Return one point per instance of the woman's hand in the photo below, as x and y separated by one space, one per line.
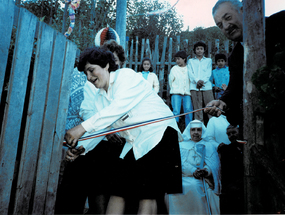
73 134
72 154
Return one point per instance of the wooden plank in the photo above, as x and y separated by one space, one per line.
155 55
126 54
33 129
254 58
131 54
169 67
137 54
142 50
226 44
162 67
59 129
6 24
57 69
14 104
148 50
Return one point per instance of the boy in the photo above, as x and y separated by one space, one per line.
200 71
221 75
179 83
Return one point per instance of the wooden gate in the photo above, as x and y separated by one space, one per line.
34 92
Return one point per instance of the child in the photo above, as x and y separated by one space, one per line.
146 72
179 83
200 70
232 171
221 75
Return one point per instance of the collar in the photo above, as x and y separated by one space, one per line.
201 58
111 82
218 68
145 72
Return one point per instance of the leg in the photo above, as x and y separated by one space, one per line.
207 97
116 205
147 206
176 105
187 107
197 104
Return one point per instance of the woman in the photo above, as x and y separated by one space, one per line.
151 152
196 169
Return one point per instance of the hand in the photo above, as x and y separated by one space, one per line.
72 154
113 138
72 135
224 86
212 107
216 89
200 173
200 84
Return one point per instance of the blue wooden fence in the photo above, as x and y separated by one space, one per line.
34 109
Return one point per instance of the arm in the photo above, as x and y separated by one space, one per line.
127 91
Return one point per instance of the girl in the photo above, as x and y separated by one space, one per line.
149 164
146 72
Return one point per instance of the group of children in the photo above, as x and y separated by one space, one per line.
193 84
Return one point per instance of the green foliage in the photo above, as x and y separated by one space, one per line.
139 24
269 81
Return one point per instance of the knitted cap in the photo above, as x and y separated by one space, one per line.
106 34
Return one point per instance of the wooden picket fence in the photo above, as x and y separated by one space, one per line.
34 107
162 63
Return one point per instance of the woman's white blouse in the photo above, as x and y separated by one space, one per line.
129 100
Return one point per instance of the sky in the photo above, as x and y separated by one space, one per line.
199 13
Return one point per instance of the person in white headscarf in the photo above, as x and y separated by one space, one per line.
193 200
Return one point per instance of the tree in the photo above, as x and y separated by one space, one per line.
165 24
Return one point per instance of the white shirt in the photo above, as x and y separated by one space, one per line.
153 80
179 81
200 70
217 129
129 100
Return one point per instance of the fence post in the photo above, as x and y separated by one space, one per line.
217 46
155 55
177 45
162 67
137 55
169 67
131 54
147 51
126 53
142 51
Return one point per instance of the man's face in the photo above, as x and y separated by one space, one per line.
229 20
221 63
233 134
196 134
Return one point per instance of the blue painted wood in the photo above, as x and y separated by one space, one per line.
6 24
34 119
50 121
39 198
14 104
60 127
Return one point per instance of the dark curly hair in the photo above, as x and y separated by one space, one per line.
181 54
113 46
98 56
220 56
143 60
200 43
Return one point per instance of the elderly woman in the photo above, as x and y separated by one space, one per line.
151 152
193 200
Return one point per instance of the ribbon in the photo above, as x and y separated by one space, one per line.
124 128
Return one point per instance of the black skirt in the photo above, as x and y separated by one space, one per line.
151 176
